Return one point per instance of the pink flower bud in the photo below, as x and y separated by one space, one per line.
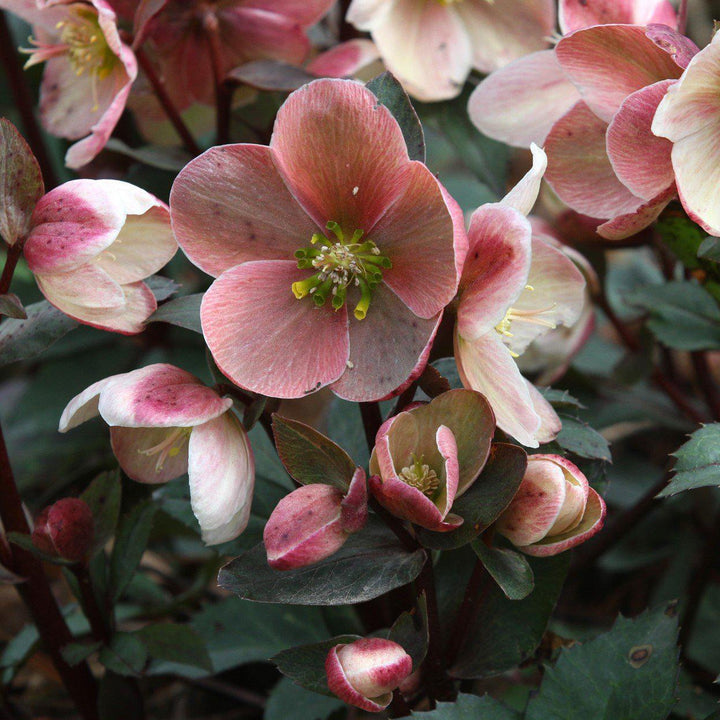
364 673
313 522
554 509
65 529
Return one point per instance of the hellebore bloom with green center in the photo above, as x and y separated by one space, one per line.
334 253
427 456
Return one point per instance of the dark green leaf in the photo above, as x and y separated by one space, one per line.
391 94
176 643
126 654
132 539
309 456
162 287
625 674
469 707
11 306
698 461
579 438
683 237
24 339
164 158
253 412
305 665
371 563
21 183
510 570
288 700
682 315
710 249
103 496
487 497
26 543
560 398
411 631
183 312
17 651
76 652
506 632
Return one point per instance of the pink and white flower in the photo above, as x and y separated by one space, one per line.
163 423
431 47
554 509
92 243
514 288
332 215
88 71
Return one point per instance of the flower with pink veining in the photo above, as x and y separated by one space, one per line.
334 253
91 245
88 70
163 423
432 46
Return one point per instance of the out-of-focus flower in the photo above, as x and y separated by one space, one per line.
357 58
431 47
689 116
365 672
513 289
554 509
163 423
427 456
92 243
313 522
65 529
88 71
301 232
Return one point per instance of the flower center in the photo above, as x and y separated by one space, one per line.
169 447
533 317
421 476
340 264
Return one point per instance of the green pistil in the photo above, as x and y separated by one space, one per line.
339 265
421 476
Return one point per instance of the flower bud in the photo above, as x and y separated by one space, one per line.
364 673
553 510
313 522
65 529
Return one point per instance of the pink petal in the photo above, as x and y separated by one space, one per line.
550 424
341 154
221 470
609 62
426 46
83 406
485 365
417 234
505 30
496 268
576 14
354 506
640 159
160 395
447 447
345 59
85 286
130 445
303 12
524 195
388 348
298 348
579 169
623 226
680 48
221 221
519 103
340 686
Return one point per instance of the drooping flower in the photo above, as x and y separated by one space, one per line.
346 249
313 522
92 243
553 510
427 456
689 117
365 672
88 71
163 423
432 46
514 288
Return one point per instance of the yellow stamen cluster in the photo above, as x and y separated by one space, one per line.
421 476
528 316
169 447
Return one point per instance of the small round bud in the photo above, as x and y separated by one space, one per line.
65 529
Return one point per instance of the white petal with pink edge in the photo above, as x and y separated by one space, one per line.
83 406
577 14
524 195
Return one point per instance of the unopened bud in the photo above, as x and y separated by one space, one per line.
65 529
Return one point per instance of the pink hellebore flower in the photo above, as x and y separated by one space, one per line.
88 70
554 509
163 423
92 243
332 216
365 672
514 288
689 116
242 30
313 522
427 456
431 46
